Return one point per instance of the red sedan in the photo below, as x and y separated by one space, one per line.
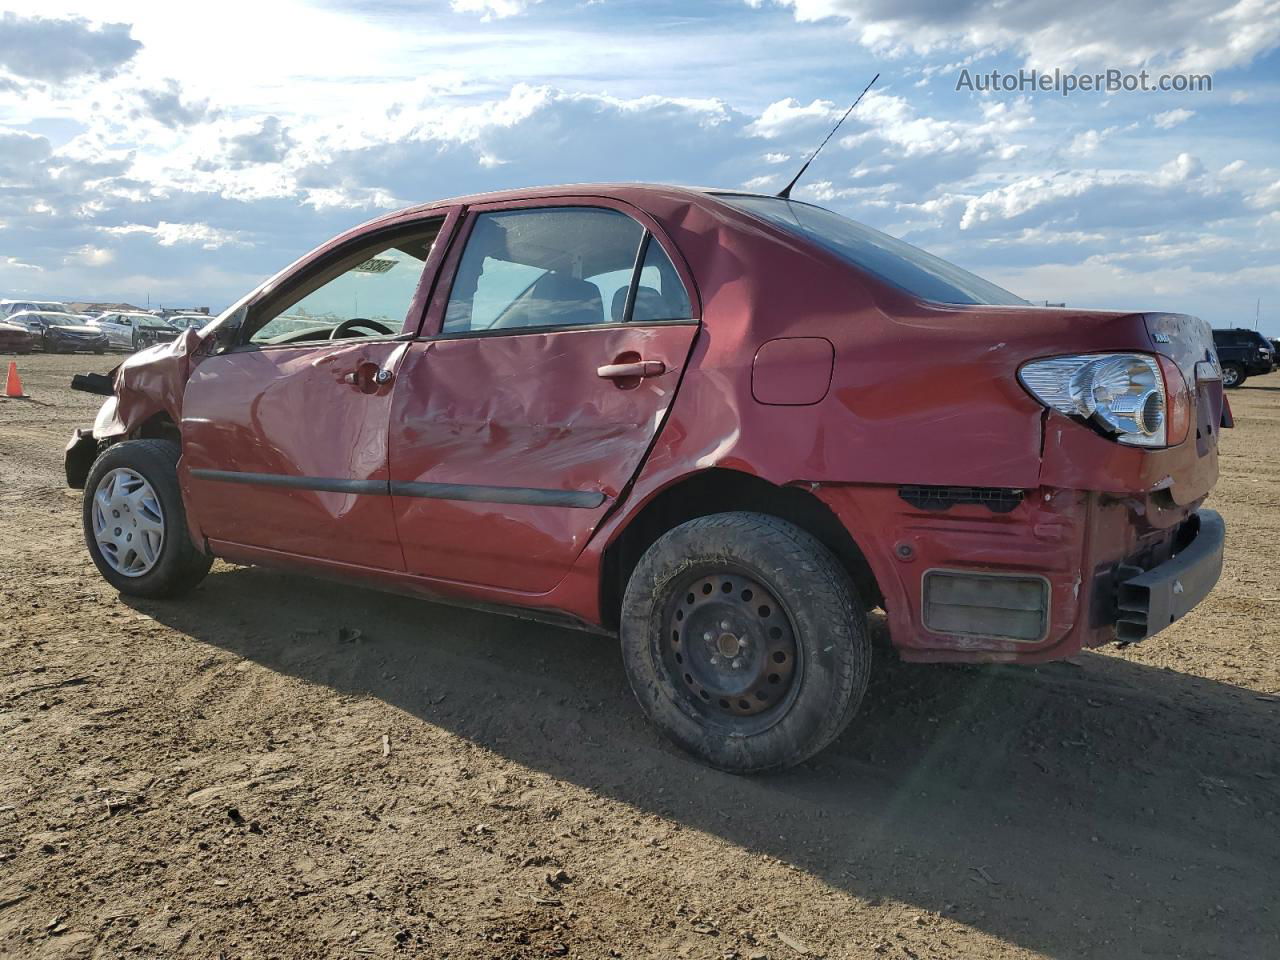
14 338
721 426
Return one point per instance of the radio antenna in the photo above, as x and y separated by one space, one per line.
785 192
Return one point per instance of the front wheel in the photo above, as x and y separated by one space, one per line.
1233 375
135 524
744 641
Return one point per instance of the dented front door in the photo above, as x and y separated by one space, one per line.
286 450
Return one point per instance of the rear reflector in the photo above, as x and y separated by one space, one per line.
996 605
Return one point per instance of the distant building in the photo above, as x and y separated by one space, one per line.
82 306
181 311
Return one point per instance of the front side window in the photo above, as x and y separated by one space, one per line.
563 266
894 261
366 293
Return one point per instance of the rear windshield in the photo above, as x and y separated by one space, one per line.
909 268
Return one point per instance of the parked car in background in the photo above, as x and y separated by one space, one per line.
158 331
721 426
190 321
14 338
9 307
33 322
1243 353
62 332
133 331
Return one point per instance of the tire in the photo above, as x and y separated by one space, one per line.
804 651
1233 375
175 566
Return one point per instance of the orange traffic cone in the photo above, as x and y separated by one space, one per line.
13 384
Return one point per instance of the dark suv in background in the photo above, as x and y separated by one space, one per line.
1243 354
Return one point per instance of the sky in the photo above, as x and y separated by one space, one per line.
177 154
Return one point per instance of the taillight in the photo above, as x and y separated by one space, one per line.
1122 394
1177 396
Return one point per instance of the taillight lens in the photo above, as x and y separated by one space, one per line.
1123 394
1177 402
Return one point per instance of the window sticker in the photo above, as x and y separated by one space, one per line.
375 265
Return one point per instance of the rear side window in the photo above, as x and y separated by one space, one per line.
660 294
898 263
561 266
534 268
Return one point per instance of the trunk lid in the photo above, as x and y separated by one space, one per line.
1188 342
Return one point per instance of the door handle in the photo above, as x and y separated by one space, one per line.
638 368
368 377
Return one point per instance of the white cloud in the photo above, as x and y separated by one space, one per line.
785 116
1105 197
1085 143
169 234
492 9
1171 118
1268 196
54 51
166 106
92 256
1199 35
270 142
894 120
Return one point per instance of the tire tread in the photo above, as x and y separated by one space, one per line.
832 599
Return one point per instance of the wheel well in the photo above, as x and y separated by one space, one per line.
159 426
723 491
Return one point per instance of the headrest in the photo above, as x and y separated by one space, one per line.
649 305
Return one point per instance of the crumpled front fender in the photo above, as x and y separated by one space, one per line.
151 381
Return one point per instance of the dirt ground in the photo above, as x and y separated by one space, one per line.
227 776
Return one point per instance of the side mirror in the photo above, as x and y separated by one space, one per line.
227 333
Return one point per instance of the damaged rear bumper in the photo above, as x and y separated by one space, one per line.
1033 578
1149 601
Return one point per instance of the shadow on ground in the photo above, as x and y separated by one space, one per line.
1096 808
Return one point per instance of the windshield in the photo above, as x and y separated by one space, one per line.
909 268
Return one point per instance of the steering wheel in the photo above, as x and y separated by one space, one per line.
368 324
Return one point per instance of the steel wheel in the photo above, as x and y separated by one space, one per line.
128 522
730 649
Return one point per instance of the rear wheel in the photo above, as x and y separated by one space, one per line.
1233 374
744 641
135 524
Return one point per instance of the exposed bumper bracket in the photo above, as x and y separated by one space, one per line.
1152 600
